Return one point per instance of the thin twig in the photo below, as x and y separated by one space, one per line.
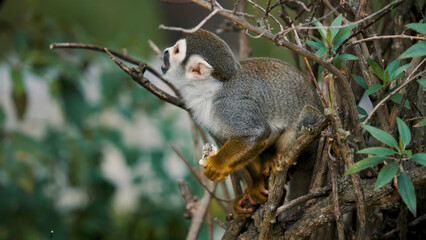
332 162
320 167
388 37
410 224
220 223
319 193
196 175
194 29
210 223
409 79
385 9
143 82
200 213
271 16
154 47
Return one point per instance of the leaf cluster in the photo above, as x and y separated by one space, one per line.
393 156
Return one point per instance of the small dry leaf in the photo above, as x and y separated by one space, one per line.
208 150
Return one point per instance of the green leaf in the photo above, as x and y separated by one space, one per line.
386 174
419 158
348 57
329 37
321 29
382 136
397 98
337 22
377 150
417 50
408 153
392 67
399 72
422 82
406 190
404 131
321 52
342 35
337 62
386 77
422 123
376 68
373 88
361 111
419 27
366 163
359 80
318 40
314 45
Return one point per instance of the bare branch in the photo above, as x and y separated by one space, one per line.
136 75
144 82
194 29
388 37
278 180
385 9
411 224
271 16
321 212
155 48
332 165
319 193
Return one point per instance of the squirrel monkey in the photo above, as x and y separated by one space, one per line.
251 105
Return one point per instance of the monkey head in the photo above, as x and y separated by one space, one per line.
199 55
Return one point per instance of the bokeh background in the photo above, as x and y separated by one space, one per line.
83 149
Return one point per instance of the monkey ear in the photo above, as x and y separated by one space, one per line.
198 68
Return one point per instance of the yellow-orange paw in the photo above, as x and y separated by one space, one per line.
216 173
245 205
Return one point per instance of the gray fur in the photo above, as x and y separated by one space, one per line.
265 95
258 98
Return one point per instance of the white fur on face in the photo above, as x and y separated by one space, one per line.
197 86
177 55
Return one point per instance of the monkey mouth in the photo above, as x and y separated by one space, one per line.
164 68
166 62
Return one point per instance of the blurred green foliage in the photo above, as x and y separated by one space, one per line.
37 170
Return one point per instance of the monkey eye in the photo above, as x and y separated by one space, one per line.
176 50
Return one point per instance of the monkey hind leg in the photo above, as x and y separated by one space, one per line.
255 192
307 117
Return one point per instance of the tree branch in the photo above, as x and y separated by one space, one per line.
136 74
402 36
277 181
322 213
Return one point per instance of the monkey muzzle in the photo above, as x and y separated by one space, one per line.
166 62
